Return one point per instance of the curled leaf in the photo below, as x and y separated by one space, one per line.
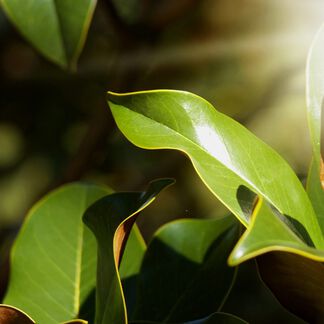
13 315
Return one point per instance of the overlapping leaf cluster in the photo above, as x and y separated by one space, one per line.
103 272
181 277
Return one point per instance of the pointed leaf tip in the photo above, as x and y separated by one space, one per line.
13 315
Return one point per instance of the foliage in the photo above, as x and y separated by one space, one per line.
56 28
80 256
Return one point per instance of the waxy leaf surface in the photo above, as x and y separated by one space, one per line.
227 157
297 282
53 261
219 318
13 315
57 28
111 219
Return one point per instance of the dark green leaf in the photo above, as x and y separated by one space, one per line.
315 97
57 28
53 261
111 219
129 267
297 282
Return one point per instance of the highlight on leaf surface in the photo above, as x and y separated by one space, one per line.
227 157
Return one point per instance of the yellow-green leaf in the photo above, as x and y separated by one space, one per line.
111 219
53 260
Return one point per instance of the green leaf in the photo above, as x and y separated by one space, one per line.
315 96
216 318
185 264
57 28
267 222
315 191
129 267
53 261
227 157
111 219
133 255
13 315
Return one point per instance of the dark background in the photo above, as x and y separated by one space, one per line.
247 57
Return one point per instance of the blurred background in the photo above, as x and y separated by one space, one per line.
247 57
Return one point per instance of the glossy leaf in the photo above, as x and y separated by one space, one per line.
13 315
53 261
128 10
185 264
111 219
133 256
315 97
227 157
57 28
316 192
297 282
219 318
